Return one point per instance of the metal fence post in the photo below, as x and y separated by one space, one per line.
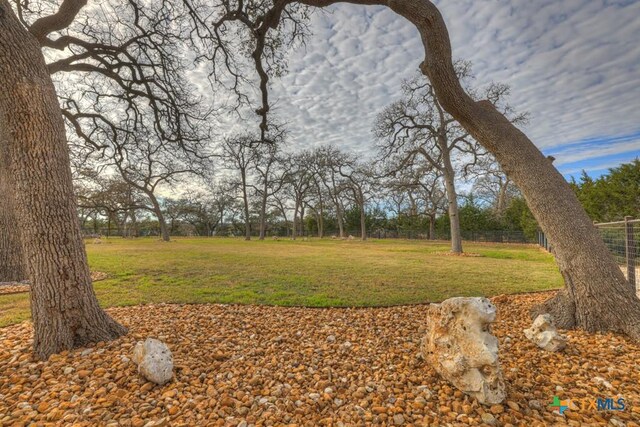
630 250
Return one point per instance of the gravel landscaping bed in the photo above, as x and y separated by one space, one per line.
243 365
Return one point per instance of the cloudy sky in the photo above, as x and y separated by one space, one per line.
573 64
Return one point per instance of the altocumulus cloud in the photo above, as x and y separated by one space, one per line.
573 64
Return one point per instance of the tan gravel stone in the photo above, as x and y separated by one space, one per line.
274 358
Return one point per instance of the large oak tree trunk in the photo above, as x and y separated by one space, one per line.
64 307
12 265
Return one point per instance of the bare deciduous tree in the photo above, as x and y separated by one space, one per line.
239 154
112 197
269 176
417 126
492 185
359 179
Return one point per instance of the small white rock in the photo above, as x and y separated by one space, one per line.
544 334
154 360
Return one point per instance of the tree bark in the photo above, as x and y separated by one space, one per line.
339 218
501 203
363 222
12 263
162 222
263 210
452 198
321 217
302 219
294 228
64 307
245 200
134 224
432 227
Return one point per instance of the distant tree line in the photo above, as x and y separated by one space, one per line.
254 186
320 192
110 206
612 196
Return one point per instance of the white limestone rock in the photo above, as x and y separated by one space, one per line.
461 348
544 334
154 360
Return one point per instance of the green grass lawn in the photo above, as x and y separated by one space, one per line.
315 273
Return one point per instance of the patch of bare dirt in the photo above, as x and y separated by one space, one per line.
21 287
463 254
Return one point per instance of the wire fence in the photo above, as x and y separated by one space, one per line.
623 240
493 236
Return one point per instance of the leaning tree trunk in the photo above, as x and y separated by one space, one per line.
12 263
64 307
452 198
596 296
